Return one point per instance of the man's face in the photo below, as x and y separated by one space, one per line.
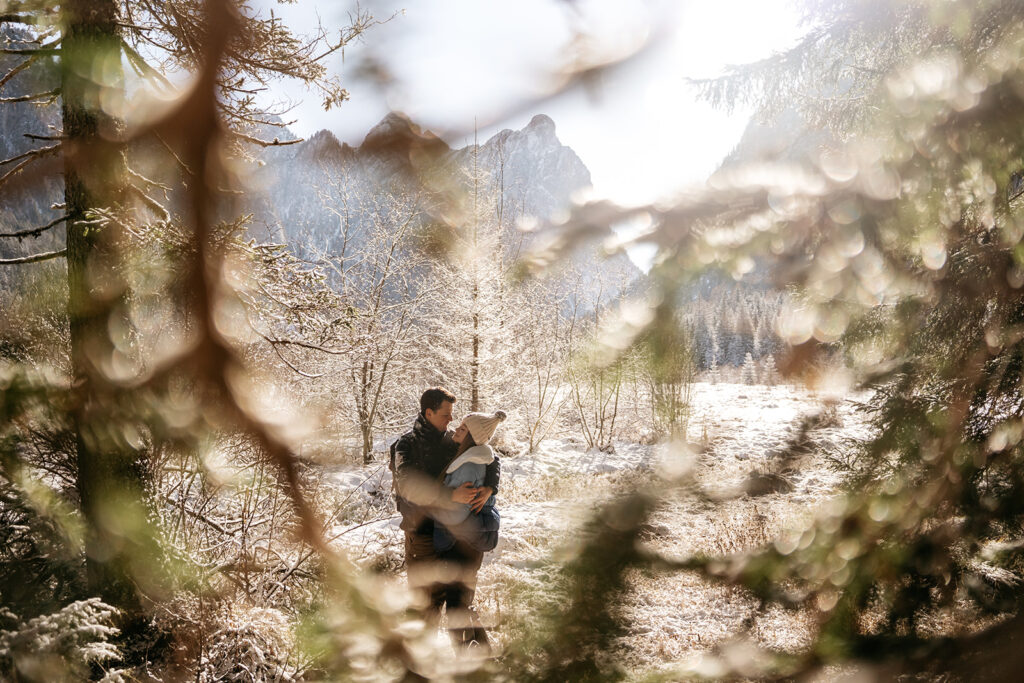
441 417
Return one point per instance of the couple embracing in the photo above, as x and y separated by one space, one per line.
445 485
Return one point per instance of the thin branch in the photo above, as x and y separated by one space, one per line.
143 68
31 153
32 58
274 343
150 183
181 164
33 156
51 94
33 136
362 23
135 27
155 206
197 515
16 70
29 51
264 143
292 365
36 232
247 91
34 258
304 345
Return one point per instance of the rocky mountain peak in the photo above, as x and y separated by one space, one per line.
538 133
541 124
324 146
396 128
391 126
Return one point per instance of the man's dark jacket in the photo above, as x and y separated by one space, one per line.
421 456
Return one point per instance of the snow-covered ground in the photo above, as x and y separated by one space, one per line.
734 430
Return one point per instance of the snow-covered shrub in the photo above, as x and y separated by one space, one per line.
252 644
829 415
224 641
62 646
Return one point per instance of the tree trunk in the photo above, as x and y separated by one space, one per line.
94 171
365 415
474 403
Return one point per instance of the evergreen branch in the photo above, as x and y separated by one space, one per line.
51 94
216 357
36 232
34 258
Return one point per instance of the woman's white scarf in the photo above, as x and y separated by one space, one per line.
482 455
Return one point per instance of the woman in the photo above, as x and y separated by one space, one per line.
458 545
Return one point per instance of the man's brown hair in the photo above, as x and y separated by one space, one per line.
433 398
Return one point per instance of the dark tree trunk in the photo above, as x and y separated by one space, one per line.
94 170
365 414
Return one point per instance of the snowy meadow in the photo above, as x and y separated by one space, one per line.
737 434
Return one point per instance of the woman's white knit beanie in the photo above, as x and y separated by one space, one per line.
482 425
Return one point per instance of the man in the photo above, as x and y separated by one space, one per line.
421 457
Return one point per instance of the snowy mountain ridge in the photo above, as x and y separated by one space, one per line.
538 174
324 197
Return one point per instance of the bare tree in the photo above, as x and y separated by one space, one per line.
541 345
384 281
669 368
595 377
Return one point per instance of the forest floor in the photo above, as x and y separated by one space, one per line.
735 430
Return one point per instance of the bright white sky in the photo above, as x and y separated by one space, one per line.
641 132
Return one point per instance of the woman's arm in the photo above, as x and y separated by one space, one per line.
489 487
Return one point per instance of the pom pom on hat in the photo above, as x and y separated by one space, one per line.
482 425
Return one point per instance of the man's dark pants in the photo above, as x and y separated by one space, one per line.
447 578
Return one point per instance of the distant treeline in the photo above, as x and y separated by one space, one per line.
730 321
